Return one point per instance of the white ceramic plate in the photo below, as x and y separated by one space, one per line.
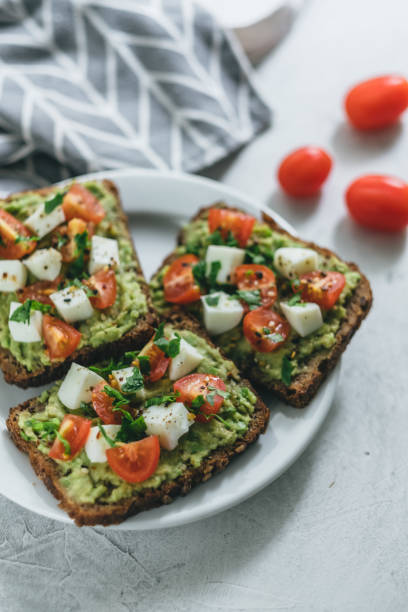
157 205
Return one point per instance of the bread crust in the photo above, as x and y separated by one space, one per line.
108 514
305 385
15 373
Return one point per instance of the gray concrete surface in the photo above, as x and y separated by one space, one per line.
331 534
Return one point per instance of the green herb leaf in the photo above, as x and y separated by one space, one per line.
105 435
131 429
216 238
52 202
22 313
214 391
26 239
118 399
170 348
294 300
275 337
61 241
193 247
252 298
65 443
162 399
89 292
214 269
212 300
221 420
46 430
82 244
199 273
287 369
134 382
197 403
86 410
144 364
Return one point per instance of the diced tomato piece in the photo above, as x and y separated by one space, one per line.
14 237
39 291
75 430
251 277
265 330
179 284
135 461
104 283
80 202
239 224
193 385
157 360
60 338
323 288
103 405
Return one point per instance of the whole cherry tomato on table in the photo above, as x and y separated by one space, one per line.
379 202
377 103
303 172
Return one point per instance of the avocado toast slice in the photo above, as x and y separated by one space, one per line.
281 308
199 429
79 244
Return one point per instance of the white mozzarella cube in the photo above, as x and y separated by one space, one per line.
13 275
72 304
183 363
77 386
292 261
222 314
168 422
229 258
96 445
41 223
305 318
45 264
26 332
104 252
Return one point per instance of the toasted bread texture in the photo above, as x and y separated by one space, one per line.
303 386
15 373
107 514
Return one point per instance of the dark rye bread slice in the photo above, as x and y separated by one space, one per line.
17 374
305 385
108 514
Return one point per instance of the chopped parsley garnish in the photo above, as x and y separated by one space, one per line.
214 269
252 298
254 255
275 337
287 369
144 364
105 435
197 403
296 300
162 399
26 239
62 240
134 382
131 429
64 442
119 400
214 391
77 268
52 202
124 362
216 238
22 313
199 273
89 292
170 348
212 300
193 247
221 420
85 408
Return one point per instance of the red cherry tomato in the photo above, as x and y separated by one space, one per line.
193 385
377 103
239 224
179 284
60 338
39 291
157 360
102 403
104 283
303 172
136 461
250 277
323 288
379 202
265 330
80 202
12 230
75 430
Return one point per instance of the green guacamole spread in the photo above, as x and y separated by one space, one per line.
265 367
104 326
87 482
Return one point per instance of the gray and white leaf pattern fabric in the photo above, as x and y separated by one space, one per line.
87 85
